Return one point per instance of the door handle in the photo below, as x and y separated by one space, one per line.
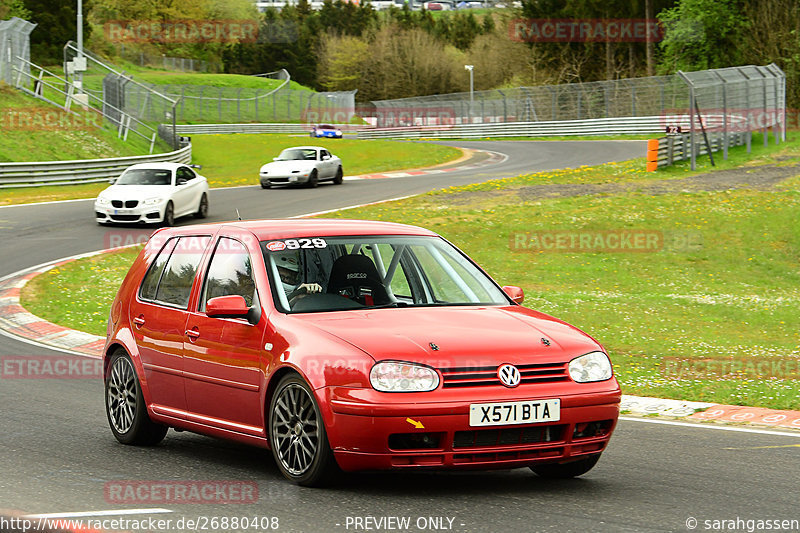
139 320
192 333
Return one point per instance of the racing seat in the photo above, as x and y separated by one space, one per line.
355 277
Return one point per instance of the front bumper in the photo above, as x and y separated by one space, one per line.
369 436
143 214
284 179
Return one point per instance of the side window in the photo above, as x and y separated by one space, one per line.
324 153
186 173
230 273
176 282
150 281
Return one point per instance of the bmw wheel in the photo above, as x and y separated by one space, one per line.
202 207
125 406
339 178
297 434
169 215
566 470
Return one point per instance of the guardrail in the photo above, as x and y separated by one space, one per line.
80 171
679 147
205 129
597 126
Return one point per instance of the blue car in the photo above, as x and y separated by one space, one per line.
326 130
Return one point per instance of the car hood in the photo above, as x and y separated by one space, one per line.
135 192
464 336
288 166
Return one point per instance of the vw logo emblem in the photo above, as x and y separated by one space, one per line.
509 375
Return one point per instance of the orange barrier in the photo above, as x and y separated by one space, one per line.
652 155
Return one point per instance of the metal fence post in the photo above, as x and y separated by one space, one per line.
724 115
691 117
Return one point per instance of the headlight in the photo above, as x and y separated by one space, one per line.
593 366
153 201
396 376
103 201
338 132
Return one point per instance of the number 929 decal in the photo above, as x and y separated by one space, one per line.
296 244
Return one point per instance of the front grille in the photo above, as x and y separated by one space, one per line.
131 203
125 218
116 203
508 436
486 376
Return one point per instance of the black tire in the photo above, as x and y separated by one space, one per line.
125 407
297 435
169 215
338 179
265 185
202 207
313 179
566 470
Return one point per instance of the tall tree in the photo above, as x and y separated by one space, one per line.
57 24
703 34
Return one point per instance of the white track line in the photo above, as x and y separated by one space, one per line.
787 433
352 207
85 514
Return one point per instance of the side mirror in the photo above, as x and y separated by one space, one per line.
112 181
232 306
325 157
181 181
515 293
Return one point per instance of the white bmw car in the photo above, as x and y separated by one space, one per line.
153 193
306 165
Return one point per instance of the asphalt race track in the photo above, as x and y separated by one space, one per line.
57 454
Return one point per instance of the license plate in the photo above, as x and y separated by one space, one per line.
503 414
122 211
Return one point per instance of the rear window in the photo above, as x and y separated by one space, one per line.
169 280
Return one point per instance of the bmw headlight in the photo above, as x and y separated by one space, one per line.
153 201
593 366
396 376
102 200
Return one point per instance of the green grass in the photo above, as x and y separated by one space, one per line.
230 160
235 159
78 295
52 140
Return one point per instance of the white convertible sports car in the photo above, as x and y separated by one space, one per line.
153 193
306 165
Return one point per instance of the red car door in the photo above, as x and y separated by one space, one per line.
158 317
223 363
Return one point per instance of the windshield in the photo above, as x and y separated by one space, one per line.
326 127
338 273
297 154
145 176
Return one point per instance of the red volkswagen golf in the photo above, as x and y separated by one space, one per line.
349 345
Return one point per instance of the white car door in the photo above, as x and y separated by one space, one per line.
328 165
186 195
